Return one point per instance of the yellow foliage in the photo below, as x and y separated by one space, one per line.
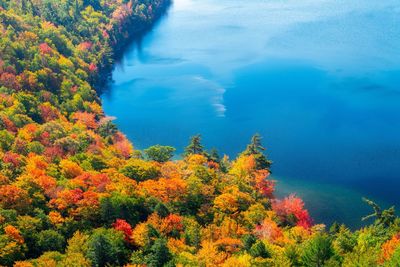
139 234
56 218
244 260
70 169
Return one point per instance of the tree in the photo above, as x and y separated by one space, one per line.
258 249
125 228
256 149
195 146
159 253
106 247
317 251
214 156
140 170
159 153
385 217
50 240
123 207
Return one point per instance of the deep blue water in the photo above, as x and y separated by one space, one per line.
320 80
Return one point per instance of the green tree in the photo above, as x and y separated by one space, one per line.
258 249
317 251
159 153
50 240
195 146
118 206
385 217
106 247
159 253
256 149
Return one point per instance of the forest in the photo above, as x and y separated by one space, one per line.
75 192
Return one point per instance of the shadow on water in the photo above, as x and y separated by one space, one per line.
133 42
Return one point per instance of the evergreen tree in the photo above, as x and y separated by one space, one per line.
159 253
256 149
385 217
317 251
195 146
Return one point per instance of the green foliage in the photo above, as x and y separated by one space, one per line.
50 240
159 254
106 247
139 170
317 251
256 149
130 209
385 217
258 249
159 153
195 146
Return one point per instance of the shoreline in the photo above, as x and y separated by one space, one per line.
136 30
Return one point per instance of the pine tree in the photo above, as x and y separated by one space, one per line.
194 147
256 149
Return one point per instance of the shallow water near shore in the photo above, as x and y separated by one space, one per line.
320 80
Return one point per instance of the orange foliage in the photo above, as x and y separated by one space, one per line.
36 165
92 181
170 223
13 197
85 118
228 244
389 247
269 230
14 234
56 218
166 190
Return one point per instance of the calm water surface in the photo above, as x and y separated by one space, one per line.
320 80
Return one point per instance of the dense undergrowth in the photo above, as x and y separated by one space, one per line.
74 192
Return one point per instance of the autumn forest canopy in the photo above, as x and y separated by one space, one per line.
74 191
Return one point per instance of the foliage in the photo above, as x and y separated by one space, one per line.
159 153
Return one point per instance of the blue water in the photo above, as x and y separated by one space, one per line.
320 80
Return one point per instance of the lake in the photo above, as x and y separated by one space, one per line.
319 80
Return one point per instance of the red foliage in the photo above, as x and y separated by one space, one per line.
10 126
122 145
13 158
48 112
44 48
9 80
53 152
263 185
213 165
124 227
66 198
92 67
172 222
292 205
